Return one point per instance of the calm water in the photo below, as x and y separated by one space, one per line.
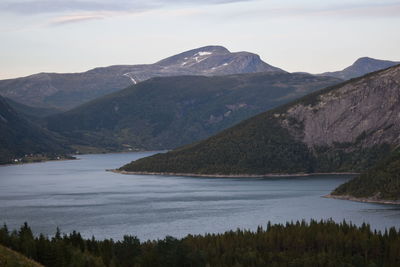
80 195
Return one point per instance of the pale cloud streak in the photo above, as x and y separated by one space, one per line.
74 18
87 16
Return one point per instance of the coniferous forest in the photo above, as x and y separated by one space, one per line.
317 243
380 182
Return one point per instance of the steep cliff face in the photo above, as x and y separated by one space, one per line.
366 110
347 127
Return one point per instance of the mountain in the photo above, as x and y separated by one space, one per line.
20 137
343 128
361 67
32 113
380 183
167 112
66 91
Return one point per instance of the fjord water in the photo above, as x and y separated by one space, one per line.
80 195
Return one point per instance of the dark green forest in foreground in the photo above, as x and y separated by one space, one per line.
323 243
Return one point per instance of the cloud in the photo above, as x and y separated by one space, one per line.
87 16
32 7
77 18
73 11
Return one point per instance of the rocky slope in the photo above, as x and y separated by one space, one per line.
347 127
65 91
20 137
361 67
163 113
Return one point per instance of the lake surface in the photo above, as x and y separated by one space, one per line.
80 195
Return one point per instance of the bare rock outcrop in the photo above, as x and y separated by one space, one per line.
365 111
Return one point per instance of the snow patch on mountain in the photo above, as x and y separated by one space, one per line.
130 77
204 53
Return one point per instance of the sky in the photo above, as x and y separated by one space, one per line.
302 35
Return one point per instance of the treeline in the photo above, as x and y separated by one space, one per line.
323 243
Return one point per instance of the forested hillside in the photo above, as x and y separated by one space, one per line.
164 113
343 128
382 182
20 137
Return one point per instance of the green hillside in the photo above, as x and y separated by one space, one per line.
326 131
164 113
382 182
20 137
257 146
31 112
10 258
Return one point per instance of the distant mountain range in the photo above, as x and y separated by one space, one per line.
343 128
167 112
66 91
19 137
361 67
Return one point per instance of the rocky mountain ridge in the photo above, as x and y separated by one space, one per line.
65 91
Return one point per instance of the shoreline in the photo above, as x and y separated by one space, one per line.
363 199
41 161
244 175
75 157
